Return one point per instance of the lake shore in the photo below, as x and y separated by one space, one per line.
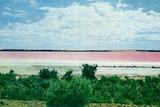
104 68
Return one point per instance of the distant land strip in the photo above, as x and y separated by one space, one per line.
131 66
48 50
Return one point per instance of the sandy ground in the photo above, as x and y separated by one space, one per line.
104 68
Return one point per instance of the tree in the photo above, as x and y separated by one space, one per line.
75 93
67 76
33 88
53 74
47 74
11 72
88 71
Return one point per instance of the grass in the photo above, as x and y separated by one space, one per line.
18 103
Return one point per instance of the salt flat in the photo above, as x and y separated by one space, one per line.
104 68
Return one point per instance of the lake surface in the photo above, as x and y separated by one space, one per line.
80 56
114 63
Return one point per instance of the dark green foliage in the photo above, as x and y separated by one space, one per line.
14 92
24 89
11 72
7 78
108 88
67 76
47 74
7 85
88 71
34 87
75 93
127 91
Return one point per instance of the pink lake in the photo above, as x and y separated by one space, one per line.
81 56
34 61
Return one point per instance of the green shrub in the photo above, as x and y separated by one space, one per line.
35 87
14 92
88 71
47 74
67 76
75 93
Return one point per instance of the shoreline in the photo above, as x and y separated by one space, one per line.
104 68
79 63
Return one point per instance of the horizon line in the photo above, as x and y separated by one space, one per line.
50 50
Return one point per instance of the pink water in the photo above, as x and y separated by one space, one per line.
81 56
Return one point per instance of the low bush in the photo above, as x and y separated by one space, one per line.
72 91
88 71
75 93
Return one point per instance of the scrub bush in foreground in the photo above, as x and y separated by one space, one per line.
75 93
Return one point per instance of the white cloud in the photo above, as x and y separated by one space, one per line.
96 26
7 13
17 13
33 3
7 8
19 0
20 13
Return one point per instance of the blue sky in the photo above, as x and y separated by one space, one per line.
80 24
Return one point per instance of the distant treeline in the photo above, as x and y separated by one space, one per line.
49 50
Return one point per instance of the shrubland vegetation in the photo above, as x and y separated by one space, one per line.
74 91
